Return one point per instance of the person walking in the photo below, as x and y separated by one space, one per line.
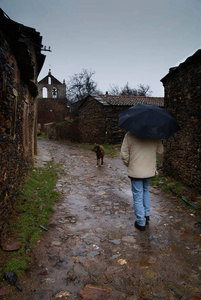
139 155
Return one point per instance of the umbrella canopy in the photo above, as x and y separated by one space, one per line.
148 121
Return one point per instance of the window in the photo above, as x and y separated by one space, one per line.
44 92
54 92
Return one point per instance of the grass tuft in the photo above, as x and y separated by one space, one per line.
33 208
173 187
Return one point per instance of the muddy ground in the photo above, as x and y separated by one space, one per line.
92 249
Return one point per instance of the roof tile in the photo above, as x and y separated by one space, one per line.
128 100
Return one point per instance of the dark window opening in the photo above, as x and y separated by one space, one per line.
54 92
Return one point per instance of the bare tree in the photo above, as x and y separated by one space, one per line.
114 90
126 90
80 86
144 90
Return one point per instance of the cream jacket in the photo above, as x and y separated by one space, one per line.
139 155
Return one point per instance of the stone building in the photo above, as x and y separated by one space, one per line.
20 63
98 116
182 85
52 102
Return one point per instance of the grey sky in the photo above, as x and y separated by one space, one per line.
134 41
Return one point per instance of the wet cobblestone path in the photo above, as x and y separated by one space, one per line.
92 250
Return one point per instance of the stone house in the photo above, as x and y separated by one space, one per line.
182 158
98 116
20 63
52 101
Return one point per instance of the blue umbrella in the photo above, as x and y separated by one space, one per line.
148 121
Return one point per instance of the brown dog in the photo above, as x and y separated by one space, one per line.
100 152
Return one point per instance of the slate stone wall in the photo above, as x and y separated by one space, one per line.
68 130
51 110
182 158
16 130
98 123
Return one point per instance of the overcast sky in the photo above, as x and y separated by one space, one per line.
134 41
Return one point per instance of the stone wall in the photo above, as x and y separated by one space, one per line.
182 158
98 123
17 113
51 110
68 130
50 130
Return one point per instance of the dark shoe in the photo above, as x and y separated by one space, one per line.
141 228
147 219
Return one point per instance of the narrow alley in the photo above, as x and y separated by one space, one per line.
92 249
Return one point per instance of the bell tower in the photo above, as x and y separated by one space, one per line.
52 102
52 88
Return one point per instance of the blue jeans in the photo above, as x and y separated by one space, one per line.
141 199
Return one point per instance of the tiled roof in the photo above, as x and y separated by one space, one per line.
128 100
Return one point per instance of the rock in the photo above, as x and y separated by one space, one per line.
44 272
149 276
56 243
63 294
160 291
94 253
122 261
129 239
11 277
4 290
11 245
61 222
91 292
115 242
